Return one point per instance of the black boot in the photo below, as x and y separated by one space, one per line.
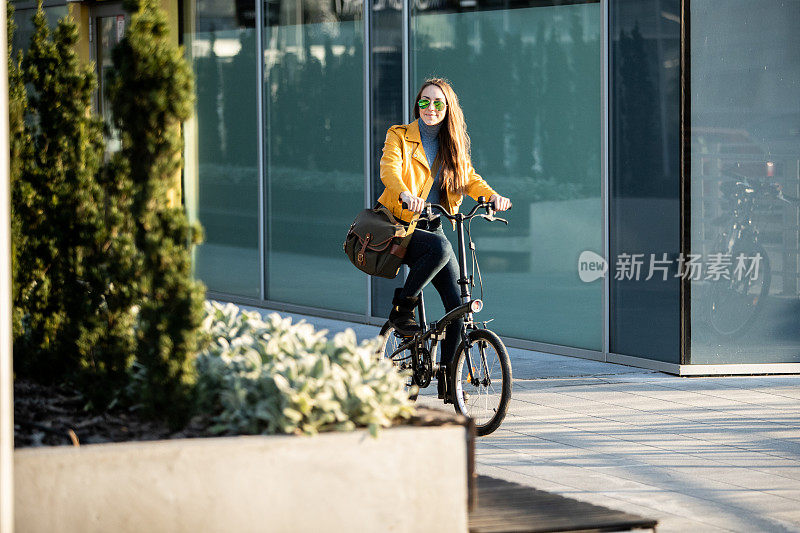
441 382
445 384
402 315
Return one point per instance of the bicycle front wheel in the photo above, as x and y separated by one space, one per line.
737 302
482 380
390 342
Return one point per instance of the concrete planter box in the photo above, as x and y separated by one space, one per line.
408 479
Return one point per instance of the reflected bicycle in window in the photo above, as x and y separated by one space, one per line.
736 301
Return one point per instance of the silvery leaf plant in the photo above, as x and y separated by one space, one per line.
266 375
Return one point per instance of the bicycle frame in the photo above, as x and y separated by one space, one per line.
436 331
468 306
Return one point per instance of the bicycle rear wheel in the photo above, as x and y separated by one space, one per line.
401 360
484 393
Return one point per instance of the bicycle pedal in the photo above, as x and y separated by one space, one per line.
446 396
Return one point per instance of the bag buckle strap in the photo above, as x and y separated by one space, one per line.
361 257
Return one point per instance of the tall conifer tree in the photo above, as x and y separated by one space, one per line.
71 322
19 147
150 89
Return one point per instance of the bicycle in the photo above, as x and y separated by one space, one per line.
481 375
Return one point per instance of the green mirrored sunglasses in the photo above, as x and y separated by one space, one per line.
438 105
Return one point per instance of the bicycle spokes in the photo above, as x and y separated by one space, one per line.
483 380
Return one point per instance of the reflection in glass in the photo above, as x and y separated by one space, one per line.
644 179
110 31
528 79
223 52
314 143
745 155
24 21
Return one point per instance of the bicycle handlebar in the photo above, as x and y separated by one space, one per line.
482 203
755 188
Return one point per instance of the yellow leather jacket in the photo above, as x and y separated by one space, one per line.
404 167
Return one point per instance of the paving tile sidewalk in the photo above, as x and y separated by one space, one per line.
698 454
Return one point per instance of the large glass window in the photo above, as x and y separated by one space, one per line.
644 179
23 17
222 165
110 23
745 180
528 79
314 146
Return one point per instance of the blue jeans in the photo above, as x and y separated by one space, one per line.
430 258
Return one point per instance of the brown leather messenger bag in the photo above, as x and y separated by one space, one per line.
376 242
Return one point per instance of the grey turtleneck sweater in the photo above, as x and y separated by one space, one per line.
430 143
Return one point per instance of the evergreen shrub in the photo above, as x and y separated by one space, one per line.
150 90
101 262
267 375
73 316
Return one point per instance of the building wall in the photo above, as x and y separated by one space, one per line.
536 137
288 152
745 180
631 136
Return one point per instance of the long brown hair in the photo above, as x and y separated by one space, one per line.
454 143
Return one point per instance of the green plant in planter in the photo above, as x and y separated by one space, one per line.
271 376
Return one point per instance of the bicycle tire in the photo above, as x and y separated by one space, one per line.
482 402
735 305
402 361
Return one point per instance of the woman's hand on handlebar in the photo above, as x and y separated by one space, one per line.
501 203
414 203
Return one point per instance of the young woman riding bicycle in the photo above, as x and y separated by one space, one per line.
436 140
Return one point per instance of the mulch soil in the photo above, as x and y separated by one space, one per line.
49 415
55 415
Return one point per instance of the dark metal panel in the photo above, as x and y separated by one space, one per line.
686 186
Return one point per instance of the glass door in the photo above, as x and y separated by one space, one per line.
108 27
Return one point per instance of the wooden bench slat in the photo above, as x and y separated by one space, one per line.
503 506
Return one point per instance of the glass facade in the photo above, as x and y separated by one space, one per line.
386 109
314 150
528 79
745 176
223 193
691 148
644 178
110 31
